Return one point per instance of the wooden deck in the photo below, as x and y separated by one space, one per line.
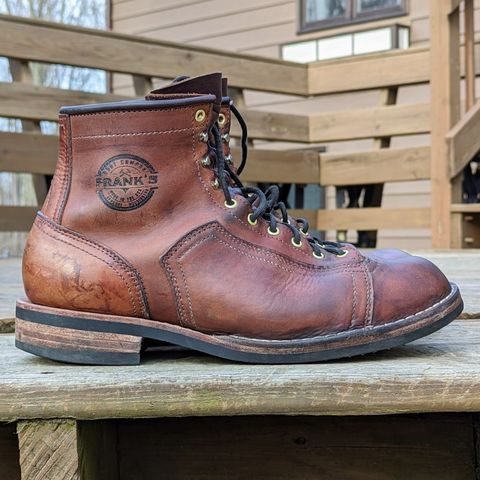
427 393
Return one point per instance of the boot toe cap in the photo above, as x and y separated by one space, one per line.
404 285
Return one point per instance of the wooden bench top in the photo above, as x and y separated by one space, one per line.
440 373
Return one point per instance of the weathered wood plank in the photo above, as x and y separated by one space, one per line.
28 152
463 141
18 100
385 165
16 219
404 67
294 166
439 373
48 450
142 56
370 122
42 103
373 218
465 207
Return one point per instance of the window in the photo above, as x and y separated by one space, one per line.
319 14
348 44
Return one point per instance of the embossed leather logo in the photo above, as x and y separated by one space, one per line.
126 182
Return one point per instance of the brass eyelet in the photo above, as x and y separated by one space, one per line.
226 137
230 205
295 244
250 221
273 232
206 161
320 257
305 234
221 119
215 184
200 115
344 254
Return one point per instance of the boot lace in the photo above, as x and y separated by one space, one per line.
264 204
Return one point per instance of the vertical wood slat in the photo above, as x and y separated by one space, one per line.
21 72
142 85
445 112
469 53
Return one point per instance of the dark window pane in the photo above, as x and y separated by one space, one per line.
318 10
364 6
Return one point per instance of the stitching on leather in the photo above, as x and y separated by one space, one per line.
259 250
120 262
153 109
354 301
134 134
176 291
369 306
60 239
67 165
189 300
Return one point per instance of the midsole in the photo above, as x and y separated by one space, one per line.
177 334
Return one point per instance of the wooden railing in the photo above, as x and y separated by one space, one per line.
23 40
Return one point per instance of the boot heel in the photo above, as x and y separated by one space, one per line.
77 346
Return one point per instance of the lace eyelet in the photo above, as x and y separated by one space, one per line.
250 221
203 137
305 234
228 159
230 205
206 162
226 137
273 232
215 184
221 119
295 244
200 115
319 257
344 254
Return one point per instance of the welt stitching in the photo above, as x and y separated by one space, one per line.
134 134
116 259
60 239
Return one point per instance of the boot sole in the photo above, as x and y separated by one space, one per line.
97 339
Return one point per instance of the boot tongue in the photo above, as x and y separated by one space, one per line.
210 84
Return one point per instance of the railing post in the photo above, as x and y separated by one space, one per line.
445 112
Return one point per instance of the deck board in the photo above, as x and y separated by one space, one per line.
439 373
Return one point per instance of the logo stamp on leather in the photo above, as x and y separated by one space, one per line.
126 182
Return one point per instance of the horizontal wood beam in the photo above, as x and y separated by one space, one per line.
292 166
122 53
385 165
465 208
373 218
463 140
16 219
18 100
385 69
28 152
370 122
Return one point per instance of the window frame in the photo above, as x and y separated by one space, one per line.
351 16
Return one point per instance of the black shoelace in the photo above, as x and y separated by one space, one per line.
264 204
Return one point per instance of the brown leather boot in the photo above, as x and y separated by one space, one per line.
147 233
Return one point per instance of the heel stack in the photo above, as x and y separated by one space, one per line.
77 346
